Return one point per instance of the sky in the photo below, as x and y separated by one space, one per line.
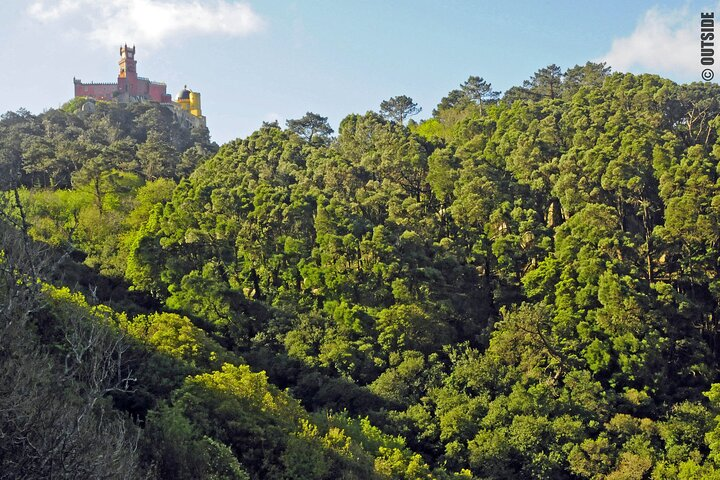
256 61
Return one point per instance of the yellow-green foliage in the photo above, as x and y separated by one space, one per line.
317 447
252 388
431 128
54 214
359 439
102 220
74 105
176 336
68 305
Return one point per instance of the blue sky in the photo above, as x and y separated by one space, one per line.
257 61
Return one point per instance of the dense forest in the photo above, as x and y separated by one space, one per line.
524 285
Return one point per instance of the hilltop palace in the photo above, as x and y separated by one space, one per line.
131 88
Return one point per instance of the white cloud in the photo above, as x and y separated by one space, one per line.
148 22
54 11
665 41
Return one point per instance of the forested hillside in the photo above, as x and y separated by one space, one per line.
525 285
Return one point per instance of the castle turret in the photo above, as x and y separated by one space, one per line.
189 101
195 104
128 65
128 78
129 87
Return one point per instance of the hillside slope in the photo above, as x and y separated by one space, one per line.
515 288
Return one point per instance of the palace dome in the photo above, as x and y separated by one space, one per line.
184 94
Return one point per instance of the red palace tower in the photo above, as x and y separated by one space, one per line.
129 86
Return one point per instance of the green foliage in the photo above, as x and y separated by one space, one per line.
312 127
516 288
399 108
176 336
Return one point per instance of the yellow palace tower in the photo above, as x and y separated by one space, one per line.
190 102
